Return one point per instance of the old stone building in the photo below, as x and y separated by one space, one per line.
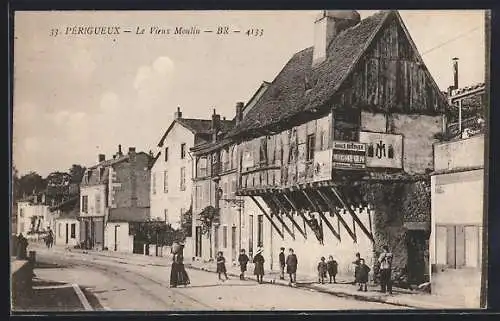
336 153
108 190
172 167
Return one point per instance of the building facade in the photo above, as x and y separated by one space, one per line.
172 168
33 215
110 186
214 189
345 127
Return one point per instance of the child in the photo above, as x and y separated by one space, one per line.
331 266
363 275
221 265
243 260
322 270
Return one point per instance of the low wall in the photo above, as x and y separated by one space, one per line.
21 282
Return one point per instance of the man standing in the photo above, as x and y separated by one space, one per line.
243 261
282 263
291 266
385 261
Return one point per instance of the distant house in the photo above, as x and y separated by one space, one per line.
120 228
32 215
67 227
110 186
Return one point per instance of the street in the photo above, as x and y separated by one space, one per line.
117 285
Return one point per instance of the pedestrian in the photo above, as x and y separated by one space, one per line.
243 261
258 260
322 270
363 272
221 265
356 268
332 267
22 247
178 274
282 261
51 238
385 261
291 266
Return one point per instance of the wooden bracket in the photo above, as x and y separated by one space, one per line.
353 214
322 215
268 217
297 226
340 218
278 216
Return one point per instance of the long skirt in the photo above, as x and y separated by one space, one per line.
178 275
259 269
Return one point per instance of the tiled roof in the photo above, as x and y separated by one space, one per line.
288 95
128 214
202 126
466 89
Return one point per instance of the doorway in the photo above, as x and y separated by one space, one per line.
67 233
198 241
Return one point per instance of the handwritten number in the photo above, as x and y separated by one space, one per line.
54 32
255 32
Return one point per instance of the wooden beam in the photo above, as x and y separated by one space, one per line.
297 226
323 217
330 205
353 214
279 217
298 211
268 217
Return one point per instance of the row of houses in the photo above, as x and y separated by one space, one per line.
346 150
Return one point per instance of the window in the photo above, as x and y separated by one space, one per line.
153 183
165 214
183 150
183 179
73 230
98 203
59 229
225 158
166 154
224 237
263 151
85 204
201 167
311 142
101 173
322 140
165 181
347 125
21 212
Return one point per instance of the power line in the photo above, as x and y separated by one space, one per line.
450 40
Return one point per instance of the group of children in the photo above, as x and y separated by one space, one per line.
326 269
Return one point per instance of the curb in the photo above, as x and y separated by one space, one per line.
335 293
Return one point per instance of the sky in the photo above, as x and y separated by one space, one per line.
77 96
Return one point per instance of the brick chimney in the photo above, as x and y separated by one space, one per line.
455 73
215 127
327 26
239 112
101 158
178 113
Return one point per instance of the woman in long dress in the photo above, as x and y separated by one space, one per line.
258 259
178 274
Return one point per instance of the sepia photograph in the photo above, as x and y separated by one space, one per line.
320 160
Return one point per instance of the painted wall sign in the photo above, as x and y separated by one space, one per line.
383 150
349 155
322 165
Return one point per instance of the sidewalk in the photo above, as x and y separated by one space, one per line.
400 297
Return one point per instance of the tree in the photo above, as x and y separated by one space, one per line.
31 183
76 171
16 186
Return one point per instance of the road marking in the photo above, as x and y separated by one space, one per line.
48 287
82 297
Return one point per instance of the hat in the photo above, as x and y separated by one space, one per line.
282 248
259 251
